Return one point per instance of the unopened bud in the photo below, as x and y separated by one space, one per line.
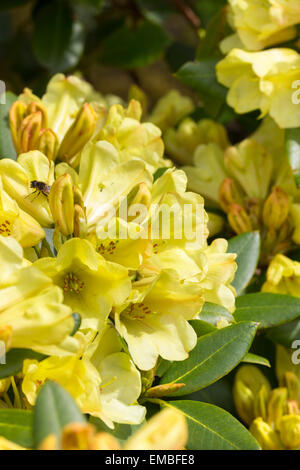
17 113
289 428
76 436
61 202
265 435
229 194
292 385
137 94
36 106
30 132
247 384
260 403
239 219
4 384
49 443
163 390
80 223
276 208
78 134
167 430
48 143
104 441
277 406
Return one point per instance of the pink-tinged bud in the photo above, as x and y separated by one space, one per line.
163 390
36 106
61 202
30 132
48 144
17 113
229 194
276 208
239 219
80 222
78 134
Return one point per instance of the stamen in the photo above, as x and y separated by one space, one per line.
73 284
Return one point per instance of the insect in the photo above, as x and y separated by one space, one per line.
40 188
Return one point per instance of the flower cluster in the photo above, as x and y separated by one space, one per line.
126 249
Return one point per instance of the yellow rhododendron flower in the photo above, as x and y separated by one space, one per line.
182 142
170 109
260 24
91 285
32 314
103 380
262 80
133 138
283 276
17 178
17 223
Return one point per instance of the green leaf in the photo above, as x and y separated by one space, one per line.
213 313
14 361
54 409
135 47
285 334
201 77
214 355
77 322
16 426
202 327
214 33
7 149
247 248
267 309
255 359
292 139
58 40
211 428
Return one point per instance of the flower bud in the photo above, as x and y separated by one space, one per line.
36 106
292 385
137 94
289 428
265 435
17 113
260 403
276 208
166 430
247 384
277 406
48 143
30 132
104 441
80 222
4 384
78 134
229 194
61 202
239 219
163 390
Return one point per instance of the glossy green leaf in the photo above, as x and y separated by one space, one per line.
247 248
285 334
214 355
255 359
202 327
292 137
54 409
212 428
267 309
14 361
16 426
201 77
7 149
135 47
58 40
213 313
